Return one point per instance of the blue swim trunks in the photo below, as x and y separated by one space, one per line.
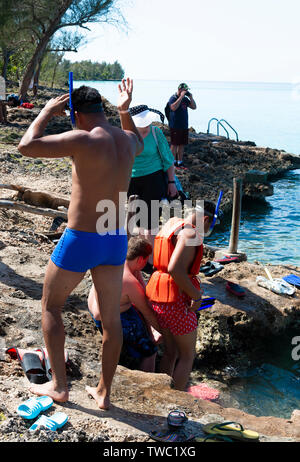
137 342
80 251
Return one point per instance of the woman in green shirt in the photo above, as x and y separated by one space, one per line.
153 172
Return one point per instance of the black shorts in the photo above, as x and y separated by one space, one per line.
149 188
179 137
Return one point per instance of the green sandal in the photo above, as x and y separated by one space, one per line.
229 429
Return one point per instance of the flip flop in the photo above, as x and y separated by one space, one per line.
206 267
235 289
227 259
214 439
53 423
168 436
32 364
215 268
293 280
31 408
176 418
230 430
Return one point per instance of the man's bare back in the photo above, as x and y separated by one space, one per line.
102 155
101 169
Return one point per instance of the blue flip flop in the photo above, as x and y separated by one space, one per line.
31 408
293 280
53 423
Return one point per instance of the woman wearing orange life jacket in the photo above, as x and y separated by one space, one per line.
175 292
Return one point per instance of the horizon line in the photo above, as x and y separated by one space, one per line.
190 80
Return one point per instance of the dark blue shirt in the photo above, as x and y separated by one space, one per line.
179 118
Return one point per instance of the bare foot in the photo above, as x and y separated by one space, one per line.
103 402
48 389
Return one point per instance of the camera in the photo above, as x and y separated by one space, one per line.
187 93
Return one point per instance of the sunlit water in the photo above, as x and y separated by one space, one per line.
271 388
270 231
266 113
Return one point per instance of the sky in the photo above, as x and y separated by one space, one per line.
232 40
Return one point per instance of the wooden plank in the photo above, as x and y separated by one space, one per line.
6 204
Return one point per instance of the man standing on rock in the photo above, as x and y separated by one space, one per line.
178 121
102 156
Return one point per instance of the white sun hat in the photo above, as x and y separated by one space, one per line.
143 116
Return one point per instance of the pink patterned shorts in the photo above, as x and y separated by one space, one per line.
176 317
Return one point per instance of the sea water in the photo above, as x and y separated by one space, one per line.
266 113
271 387
270 230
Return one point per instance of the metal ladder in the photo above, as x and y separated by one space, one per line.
221 123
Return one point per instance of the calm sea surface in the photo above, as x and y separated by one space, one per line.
269 115
266 113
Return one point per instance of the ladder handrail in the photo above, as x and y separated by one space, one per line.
236 134
219 122
214 118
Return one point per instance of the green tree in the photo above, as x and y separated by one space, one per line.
45 18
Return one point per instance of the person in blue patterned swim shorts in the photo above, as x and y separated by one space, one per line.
139 325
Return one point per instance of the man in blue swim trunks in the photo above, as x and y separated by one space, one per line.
139 323
102 157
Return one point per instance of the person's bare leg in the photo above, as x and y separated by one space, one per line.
180 151
148 364
173 148
58 285
186 345
108 289
3 113
170 354
93 304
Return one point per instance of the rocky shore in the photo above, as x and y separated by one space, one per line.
230 333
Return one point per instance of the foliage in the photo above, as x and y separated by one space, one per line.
54 63
35 30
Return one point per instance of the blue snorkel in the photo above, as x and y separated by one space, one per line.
216 211
72 115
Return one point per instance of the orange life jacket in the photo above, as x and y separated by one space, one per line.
161 287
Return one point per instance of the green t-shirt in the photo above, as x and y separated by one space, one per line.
150 161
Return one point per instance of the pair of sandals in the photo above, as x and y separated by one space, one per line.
32 408
211 268
35 363
175 434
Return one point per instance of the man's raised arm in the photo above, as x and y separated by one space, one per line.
127 124
34 144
